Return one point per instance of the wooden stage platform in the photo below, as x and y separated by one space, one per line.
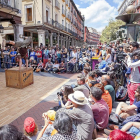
15 102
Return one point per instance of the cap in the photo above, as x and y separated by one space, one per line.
29 125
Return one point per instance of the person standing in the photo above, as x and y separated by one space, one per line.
39 55
6 54
64 54
13 54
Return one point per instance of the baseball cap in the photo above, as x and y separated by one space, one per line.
29 125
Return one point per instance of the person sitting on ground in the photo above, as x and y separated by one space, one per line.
108 58
30 62
10 132
34 65
132 127
82 86
40 65
81 65
67 89
62 67
123 110
105 96
71 64
82 115
100 108
92 79
102 63
118 135
63 125
106 82
30 128
85 72
55 67
87 65
48 66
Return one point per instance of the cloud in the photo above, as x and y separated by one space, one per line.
98 13
86 1
119 2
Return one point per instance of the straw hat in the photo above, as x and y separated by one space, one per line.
78 97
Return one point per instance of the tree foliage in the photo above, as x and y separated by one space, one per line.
109 33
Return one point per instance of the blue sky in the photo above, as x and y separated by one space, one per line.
98 12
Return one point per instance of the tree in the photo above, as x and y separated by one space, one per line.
109 33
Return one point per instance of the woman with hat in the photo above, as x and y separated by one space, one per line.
81 115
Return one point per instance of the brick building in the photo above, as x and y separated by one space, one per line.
91 36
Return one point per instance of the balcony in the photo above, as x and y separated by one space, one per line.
67 2
57 5
68 16
63 13
11 4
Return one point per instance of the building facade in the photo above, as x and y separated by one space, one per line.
10 15
126 3
91 36
52 22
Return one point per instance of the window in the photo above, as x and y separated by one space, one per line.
47 14
56 17
63 22
29 12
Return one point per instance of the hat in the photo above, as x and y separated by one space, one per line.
78 97
51 114
29 125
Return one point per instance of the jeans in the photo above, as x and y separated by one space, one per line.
59 60
81 67
6 62
38 59
71 66
13 61
64 59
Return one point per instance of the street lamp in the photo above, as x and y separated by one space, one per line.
1 29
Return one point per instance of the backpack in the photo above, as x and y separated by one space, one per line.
122 94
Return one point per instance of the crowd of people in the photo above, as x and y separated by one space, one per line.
85 107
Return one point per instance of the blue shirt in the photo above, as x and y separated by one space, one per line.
102 64
32 54
137 104
13 53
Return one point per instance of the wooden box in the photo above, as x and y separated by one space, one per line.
19 78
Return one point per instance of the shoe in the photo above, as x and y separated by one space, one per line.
113 119
112 126
107 131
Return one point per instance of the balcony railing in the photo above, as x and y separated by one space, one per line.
68 16
57 4
67 2
13 4
62 27
63 12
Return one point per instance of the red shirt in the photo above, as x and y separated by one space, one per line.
101 114
39 56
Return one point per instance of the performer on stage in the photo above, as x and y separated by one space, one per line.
22 47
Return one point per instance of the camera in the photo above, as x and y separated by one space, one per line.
59 93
